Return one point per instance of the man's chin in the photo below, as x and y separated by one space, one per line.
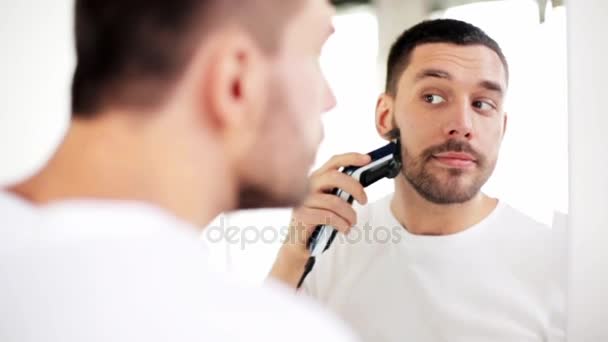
448 196
445 189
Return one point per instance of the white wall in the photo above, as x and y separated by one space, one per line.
36 58
588 219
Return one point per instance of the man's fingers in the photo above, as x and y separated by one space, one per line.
335 205
308 218
334 179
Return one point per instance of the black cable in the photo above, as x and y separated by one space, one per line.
307 268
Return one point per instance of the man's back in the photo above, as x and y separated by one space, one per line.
500 280
118 271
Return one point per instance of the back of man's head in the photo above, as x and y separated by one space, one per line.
197 106
131 53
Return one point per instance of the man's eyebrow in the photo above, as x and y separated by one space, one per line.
493 86
435 73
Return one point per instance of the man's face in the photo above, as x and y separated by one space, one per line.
298 94
449 109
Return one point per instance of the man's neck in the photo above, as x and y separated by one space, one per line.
421 217
99 161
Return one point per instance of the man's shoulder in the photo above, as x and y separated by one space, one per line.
147 270
539 243
518 220
287 314
144 297
14 211
268 312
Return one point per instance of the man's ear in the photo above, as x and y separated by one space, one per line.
385 115
232 93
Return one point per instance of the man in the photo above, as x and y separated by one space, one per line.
438 260
181 109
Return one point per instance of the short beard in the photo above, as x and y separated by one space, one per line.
260 189
431 187
256 196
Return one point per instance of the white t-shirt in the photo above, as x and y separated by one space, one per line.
502 280
117 271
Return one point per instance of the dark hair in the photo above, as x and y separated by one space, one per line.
131 52
434 31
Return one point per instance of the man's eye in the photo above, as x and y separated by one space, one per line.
483 105
433 99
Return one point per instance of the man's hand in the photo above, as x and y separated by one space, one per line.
320 207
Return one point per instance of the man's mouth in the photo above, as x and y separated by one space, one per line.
460 160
